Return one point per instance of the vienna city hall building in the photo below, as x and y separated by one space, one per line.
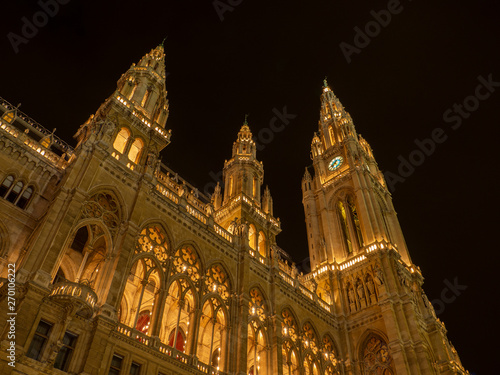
111 263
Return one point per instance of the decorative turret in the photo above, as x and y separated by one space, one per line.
243 173
140 101
242 204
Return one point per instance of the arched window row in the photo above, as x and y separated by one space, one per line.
350 225
16 192
257 240
169 294
124 142
303 346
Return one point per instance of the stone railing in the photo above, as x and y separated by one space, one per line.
80 294
167 351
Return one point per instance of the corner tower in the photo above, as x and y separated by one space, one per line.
347 205
130 124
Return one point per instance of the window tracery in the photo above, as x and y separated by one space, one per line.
376 357
153 240
217 281
186 261
103 206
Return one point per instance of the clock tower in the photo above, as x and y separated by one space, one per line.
347 205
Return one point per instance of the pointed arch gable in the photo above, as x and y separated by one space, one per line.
114 191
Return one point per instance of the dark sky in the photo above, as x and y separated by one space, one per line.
267 55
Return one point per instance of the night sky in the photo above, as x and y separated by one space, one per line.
401 84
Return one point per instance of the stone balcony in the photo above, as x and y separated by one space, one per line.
79 294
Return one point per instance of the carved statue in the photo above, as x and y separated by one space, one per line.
350 295
361 291
371 285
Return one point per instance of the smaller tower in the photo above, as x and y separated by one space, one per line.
140 102
242 202
243 173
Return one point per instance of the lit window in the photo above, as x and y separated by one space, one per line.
135 150
64 356
8 117
121 140
251 236
116 365
6 184
145 98
39 340
25 197
14 193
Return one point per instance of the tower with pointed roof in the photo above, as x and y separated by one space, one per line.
346 201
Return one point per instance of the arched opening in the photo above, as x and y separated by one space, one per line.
178 315
375 357
25 198
262 244
6 184
139 296
121 140
212 332
356 226
252 237
134 153
15 191
346 236
177 339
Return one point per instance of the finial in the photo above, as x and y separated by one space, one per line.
163 41
325 83
246 119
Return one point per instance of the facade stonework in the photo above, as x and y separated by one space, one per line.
123 267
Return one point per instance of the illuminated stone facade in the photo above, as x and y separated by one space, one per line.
122 267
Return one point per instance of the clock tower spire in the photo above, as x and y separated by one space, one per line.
347 205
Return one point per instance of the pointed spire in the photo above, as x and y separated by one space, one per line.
143 86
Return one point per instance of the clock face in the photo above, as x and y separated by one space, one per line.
335 163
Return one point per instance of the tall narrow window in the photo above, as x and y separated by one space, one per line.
116 365
262 244
145 98
6 184
135 369
231 186
355 221
135 150
344 227
252 237
64 356
14 193
25 197
39 340
121 140
254 187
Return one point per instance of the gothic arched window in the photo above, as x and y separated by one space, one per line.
23 201
135 150
252 237
121 140
376 358
262 244
258 356
15 192
6 185
342 214
355 221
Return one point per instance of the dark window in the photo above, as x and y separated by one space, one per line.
14 193
116 365
64 356
39 340
80 239
25 197
6 184
135 369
